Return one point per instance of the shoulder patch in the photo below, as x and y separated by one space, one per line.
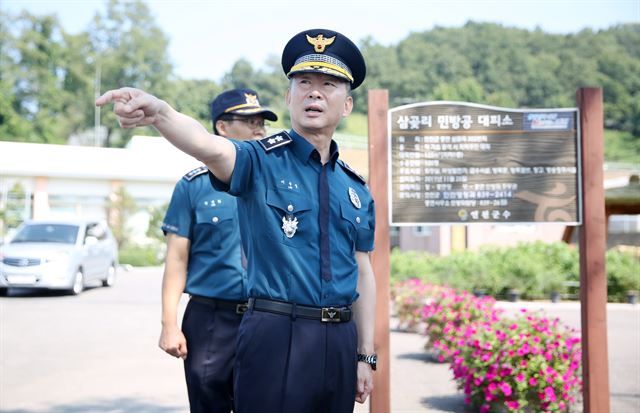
275 141
195 172
352 172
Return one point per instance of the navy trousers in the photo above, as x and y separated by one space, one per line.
287 365
211 344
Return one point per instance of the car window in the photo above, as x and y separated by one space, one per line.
60 233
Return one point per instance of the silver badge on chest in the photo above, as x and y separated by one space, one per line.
353 196
289 225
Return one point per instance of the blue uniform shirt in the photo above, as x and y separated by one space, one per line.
208 218
301 221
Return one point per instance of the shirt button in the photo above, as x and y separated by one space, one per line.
358 220
290 208
215 220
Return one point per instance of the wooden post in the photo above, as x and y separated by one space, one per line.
378 182
593 277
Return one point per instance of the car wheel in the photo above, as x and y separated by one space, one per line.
78 283
110 279
4 292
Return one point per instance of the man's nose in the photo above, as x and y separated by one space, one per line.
314 94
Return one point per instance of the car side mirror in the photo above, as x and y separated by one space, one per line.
89 240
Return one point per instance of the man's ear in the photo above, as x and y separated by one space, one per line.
287 96
348 106
221 127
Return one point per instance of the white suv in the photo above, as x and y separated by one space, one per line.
59 254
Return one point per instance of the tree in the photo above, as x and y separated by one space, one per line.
129 49
12 210
33 74
192 97
120 207
156 215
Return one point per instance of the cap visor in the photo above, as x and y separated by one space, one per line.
323 70
266 113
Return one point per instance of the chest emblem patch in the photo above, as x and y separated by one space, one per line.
353 196
289 225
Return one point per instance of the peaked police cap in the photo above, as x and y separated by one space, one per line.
324 51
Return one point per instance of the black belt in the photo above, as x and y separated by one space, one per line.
238 306
324 314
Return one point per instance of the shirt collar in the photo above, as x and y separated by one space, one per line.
303 149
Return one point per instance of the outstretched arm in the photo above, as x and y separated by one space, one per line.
135 108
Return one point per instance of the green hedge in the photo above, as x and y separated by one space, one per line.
140 256
535 269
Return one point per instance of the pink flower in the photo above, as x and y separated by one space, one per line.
520 377
484 408
533 381
506 388
512 404
550 393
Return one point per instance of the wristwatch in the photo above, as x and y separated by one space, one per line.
370 359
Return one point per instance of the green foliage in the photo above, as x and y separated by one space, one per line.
129 49
355 124
157 214
139 256
535 269
121 207
622 272
621 146
49 78
13 212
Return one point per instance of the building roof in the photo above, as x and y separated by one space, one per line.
145 159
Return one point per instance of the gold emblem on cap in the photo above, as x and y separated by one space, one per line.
319 42
251 99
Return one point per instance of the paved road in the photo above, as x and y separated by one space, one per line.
98 353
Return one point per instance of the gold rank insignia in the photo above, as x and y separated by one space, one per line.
251 99
319 42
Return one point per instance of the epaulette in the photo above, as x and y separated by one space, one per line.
351 171
274 141
195 172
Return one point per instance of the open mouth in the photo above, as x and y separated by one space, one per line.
313 109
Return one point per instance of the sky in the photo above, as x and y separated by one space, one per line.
208 37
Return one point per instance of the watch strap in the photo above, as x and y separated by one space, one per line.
371 359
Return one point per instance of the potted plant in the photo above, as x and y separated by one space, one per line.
555 287
513 294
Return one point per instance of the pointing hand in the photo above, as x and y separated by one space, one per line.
133 107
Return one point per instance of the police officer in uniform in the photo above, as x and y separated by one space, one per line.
204 260
307 224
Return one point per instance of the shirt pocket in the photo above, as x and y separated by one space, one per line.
292 212
353 222
214 226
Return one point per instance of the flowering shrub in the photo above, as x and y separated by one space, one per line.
409 297
449 314
527 364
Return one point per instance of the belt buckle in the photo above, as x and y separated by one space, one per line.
242 308
330 315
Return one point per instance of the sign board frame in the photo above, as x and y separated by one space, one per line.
460 132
